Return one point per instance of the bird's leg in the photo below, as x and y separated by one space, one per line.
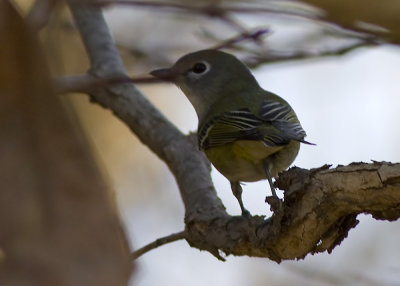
269 178
274 201
237 192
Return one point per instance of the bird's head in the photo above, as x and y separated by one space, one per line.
207 75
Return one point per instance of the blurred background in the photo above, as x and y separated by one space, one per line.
348 104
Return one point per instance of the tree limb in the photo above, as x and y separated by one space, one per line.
209 9
40 13
179 152
320 206
274 56
88 83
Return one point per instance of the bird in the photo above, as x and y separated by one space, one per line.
247 133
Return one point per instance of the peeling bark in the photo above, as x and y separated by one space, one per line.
320 207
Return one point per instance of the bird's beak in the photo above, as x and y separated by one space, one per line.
166 74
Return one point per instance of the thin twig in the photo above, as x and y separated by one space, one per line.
275 56
233 23
87 83
158 242
211 10
255 36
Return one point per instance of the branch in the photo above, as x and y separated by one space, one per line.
40 13
320 205
158 242
88 83
211 10
376 18
244 36
179 152
273 56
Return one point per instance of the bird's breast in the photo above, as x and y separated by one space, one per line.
241 160
253 150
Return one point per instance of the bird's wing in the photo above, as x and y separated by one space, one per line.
275 125
229 127
282 117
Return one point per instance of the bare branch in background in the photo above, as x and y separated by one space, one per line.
87 83
40 13
273 56
211 10
224 12
383 25
244 36
378 18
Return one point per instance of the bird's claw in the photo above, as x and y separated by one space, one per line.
275 204
246 213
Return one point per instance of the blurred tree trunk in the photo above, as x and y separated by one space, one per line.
58 225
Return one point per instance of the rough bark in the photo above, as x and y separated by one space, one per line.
320 207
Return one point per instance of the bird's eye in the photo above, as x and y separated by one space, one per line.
199 68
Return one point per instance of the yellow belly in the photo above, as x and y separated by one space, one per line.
243 160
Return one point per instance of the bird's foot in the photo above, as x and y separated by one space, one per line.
275 204
246 213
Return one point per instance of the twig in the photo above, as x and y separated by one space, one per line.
211 10
277 56
158 242
255 36
244 32
233 23
88 83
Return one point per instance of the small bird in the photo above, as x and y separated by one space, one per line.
248 133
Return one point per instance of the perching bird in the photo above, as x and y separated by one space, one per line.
247 133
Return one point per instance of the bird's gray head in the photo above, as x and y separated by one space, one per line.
206 76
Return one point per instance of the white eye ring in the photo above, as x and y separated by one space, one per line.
199 69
